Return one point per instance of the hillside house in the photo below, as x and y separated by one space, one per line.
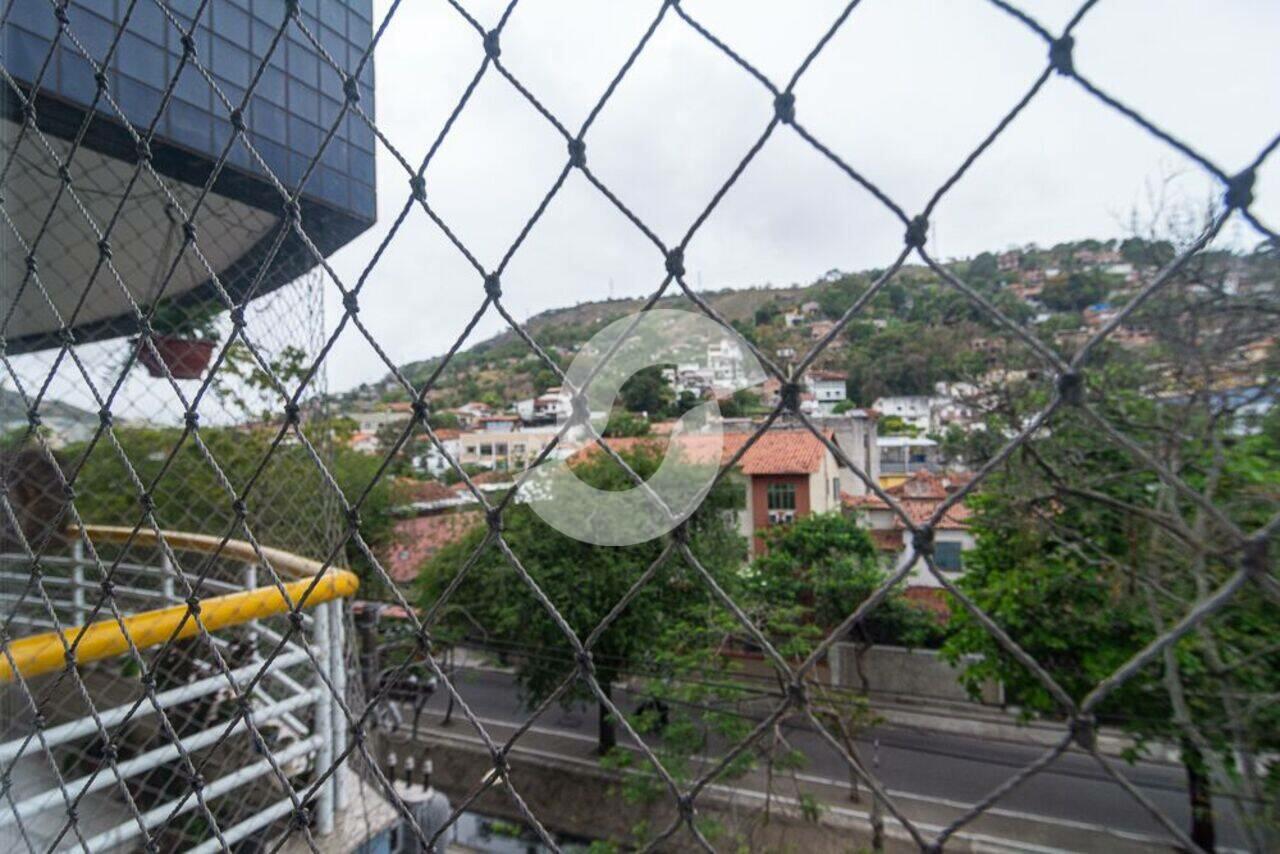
790 473
469 413
821 328
903 456
919 497
828 388
508 449
430 459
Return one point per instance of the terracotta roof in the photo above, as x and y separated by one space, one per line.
827 375
417 539
919 496
784 452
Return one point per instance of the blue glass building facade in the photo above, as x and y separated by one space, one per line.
294 104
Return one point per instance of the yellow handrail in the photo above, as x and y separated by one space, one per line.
45 653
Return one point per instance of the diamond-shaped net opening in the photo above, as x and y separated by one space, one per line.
186 517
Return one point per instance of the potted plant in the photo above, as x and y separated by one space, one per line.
184 339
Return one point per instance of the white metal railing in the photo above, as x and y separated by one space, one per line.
295 698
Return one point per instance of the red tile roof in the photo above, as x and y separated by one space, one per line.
784 452
417 539
919 496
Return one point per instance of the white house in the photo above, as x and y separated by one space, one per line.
430 459
919 497
914 409
828 389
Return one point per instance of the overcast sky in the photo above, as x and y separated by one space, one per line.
903 92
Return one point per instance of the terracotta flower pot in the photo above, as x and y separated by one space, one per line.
185 358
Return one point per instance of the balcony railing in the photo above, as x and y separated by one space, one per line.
58 737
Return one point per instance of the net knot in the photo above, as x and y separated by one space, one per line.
922 541
64 173
60 12
492 48
66 336
784 107
104 249
28 112
917 232
237 316
193 605
790 394
143 149
577 154
493 517
351 302
104 417
188 45
189 231
1084 731
353 518
585 663
685 804
108 589
675 262
418 187
239 508
31 262
300 818
293 212
100 80
1239 193
493 286
291 412
421 412
1071 387
147 502
33 417
796 694
351 88
237 120
1060 56
295 620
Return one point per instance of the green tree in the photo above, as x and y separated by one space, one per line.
493 605
624 424
983 268
1084 556
646 391
814 573
1077 291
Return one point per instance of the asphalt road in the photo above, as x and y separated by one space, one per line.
927 764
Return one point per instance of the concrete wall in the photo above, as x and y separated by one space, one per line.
910 673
